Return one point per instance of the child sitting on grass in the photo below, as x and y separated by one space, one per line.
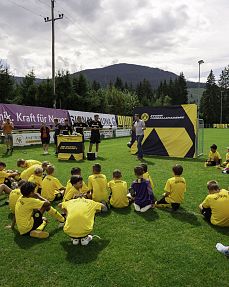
175 188
141 191
226 162
84 188
215 207
97 184
76 188
51 187
27 163
118 189
80 213
37 179
214 158
29 210
6 176
146 174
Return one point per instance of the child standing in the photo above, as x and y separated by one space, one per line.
29 210
215 207
175 188
97 184
118 189
141 191
214 157
51 187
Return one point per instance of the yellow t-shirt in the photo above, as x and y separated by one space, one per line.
3 175
50 187
83 190
118 193
37 180
227 156
219 204
80 216
98 184
23 212
214 156
72 192
176 186
13 197
147 176
31 162
25 174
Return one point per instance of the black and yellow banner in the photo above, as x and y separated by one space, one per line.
170 131
70 147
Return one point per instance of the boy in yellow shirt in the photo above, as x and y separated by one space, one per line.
25 174
97 184
80 213
5 175
146 174
214 158
84 188
13 197
215 207
51 188
36 178
175 188
29 210
27 163
118 189
76 188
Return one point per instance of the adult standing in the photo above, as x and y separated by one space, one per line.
66 128
45 137
139 126
57 129
79 127
7 128
95 126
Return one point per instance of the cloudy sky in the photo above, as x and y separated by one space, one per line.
171 35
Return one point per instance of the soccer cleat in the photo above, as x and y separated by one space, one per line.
86 240
39 234
75 241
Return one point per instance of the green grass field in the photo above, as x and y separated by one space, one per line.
158 248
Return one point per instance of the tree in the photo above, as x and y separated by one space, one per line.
28 90
119 84
6 85
224 92
210 101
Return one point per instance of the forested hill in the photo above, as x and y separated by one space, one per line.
131 74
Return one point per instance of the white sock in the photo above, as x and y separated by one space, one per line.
222 248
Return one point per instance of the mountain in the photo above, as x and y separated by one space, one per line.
131 73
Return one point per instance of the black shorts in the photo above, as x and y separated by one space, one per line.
95 139
45 140
38 220
174 205
59 196
211 163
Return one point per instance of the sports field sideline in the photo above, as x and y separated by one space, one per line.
158 248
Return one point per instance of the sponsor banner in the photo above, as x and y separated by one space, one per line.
221 126
122 133
107 120
170 131
125 121
27 117
26 139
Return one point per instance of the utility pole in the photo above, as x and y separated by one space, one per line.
53 19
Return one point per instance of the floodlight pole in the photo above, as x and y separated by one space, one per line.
221 107
53 19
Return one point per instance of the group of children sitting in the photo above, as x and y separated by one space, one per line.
32 191
215 159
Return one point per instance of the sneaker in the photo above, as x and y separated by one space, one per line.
86 240
39 234
61 224
222 249
75 241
